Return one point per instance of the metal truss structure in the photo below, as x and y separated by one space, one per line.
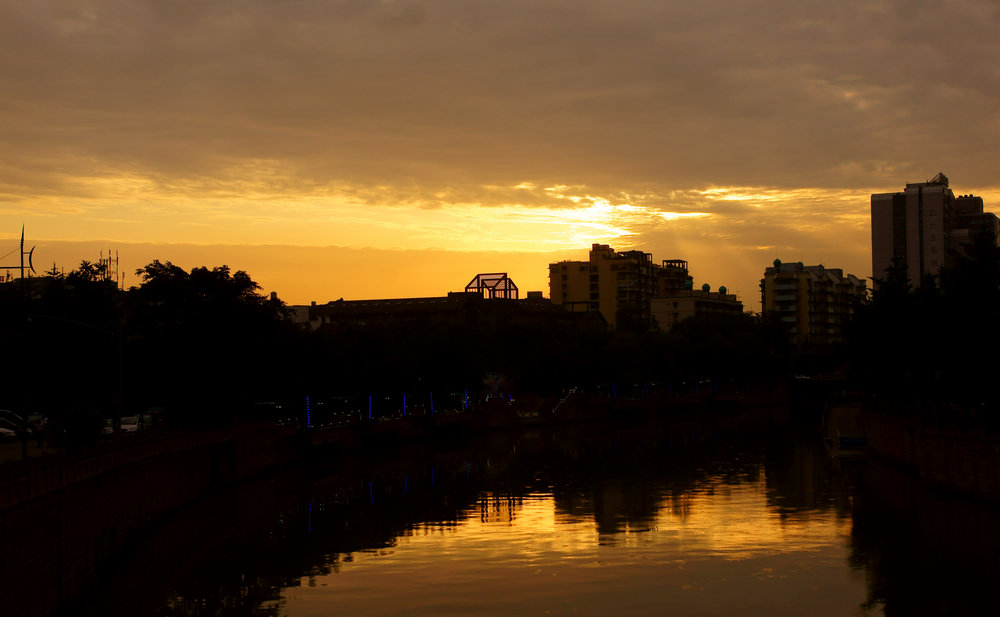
493 285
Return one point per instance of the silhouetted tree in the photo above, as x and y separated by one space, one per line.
923 348
737 347
59 339
204 342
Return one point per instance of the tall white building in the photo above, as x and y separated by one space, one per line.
919 226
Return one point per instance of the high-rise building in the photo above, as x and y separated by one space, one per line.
623 284
813 303
918 228
610 282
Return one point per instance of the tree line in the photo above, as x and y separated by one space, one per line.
928 346
207 344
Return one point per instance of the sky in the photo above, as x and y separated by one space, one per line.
393 148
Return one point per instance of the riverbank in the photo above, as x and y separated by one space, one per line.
64 517
267 543
945 456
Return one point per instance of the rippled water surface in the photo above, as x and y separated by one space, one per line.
586 521
719 551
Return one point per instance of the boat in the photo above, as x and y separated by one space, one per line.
844 431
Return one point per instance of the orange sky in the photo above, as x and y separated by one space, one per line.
388 148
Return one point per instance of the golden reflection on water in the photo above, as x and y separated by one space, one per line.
735 522
720 549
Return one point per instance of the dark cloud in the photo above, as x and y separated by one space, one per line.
781 92
139 114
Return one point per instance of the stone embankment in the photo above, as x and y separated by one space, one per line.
960 459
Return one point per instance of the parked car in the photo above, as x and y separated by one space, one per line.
8 425
130 424
13 418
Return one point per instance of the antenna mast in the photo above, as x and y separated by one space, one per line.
30 255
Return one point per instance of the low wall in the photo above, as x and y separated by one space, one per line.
962 460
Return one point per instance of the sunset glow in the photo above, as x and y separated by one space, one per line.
400 126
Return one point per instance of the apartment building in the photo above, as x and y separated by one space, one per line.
813 303
624 284
920 227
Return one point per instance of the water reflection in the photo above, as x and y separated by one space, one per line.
925 552
584 521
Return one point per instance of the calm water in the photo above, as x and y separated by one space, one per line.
581 522
718 549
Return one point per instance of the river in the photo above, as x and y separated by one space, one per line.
580 521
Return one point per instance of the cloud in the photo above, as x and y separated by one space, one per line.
723 92
415 124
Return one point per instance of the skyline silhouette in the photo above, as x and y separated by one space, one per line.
499 136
